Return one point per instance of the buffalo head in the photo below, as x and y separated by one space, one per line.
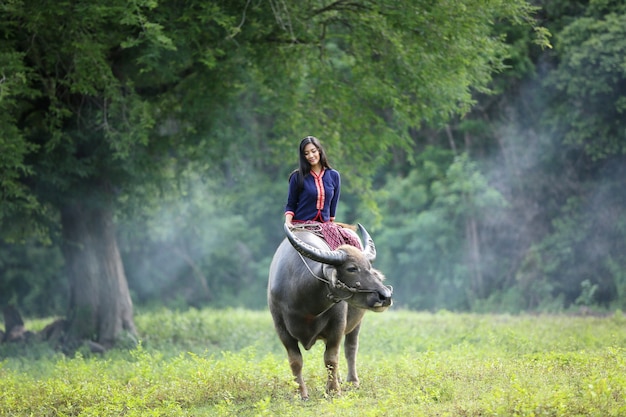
349 273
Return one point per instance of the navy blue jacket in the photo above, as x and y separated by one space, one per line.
317 199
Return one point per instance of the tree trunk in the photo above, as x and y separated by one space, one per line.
471 236
100 305
13 324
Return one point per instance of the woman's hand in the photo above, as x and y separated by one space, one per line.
288 219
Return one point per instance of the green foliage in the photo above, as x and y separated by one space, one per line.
87 112
380 71
18 204
587 231
423 237
36 292
409 364
589 83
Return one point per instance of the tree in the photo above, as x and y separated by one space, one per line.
105 103
86 85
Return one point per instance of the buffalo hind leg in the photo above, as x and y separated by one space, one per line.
293 354
295 362
351 347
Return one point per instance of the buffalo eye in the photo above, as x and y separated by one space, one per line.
352 269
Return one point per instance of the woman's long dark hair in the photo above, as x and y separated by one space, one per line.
305 167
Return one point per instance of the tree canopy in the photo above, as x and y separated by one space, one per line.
129 91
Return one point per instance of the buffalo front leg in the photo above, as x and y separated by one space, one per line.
351 347
331 360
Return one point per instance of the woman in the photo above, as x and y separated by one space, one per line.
314 188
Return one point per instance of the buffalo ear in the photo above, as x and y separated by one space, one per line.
330 272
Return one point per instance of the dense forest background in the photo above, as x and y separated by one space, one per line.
516 203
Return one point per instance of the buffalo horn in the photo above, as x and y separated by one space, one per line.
331 257
369 250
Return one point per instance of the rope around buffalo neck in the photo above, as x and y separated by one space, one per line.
334 298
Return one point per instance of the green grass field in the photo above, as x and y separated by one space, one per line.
230 363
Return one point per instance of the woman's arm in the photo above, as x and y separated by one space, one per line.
335 199
292 199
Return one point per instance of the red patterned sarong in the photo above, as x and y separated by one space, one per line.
334 234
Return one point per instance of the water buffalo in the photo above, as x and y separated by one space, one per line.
317 293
